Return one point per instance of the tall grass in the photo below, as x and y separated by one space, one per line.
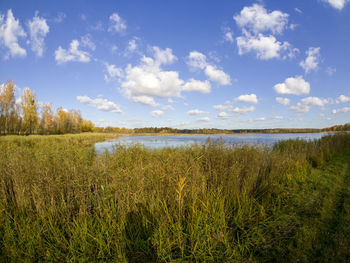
59 201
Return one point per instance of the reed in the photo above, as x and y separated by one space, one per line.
59 201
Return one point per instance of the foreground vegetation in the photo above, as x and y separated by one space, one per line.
60 202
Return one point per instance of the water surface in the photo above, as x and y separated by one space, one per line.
156 142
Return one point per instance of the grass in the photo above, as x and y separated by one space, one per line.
210 203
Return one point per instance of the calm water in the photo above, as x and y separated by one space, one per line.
179 140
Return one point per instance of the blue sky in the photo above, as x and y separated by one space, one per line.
183 64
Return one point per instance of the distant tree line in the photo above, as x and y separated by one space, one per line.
338 128
25 117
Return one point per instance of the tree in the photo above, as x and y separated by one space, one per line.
7 105
46 122
30 111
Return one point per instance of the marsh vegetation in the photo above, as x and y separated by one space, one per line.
60 202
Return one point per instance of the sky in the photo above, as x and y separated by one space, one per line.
183 64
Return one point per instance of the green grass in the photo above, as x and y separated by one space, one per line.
60 202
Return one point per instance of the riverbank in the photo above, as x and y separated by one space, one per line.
61 202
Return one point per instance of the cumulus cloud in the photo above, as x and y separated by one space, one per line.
223 115
343 99
117 24
197 85
265 47
38 29
306 103
343 110
228 35
168 107
113 72
86 41
204 119
217 75
248 98
164 56
132 46
196 112
100 104
228 106
72 54
157 113
256 22
243 110
10 31
312 59
283 101
257 19
337 4
296 86
146 81
197 60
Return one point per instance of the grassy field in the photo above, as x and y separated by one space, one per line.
59 202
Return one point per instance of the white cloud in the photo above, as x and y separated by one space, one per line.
296 86
227 106
147 100
217 75
298 10
265 47
157 113
132 46
100 104
10 31
117 24
260 119
243 110
223 115
283 101
337 4
197 60
228 35
146 81
330 71
113 72
87 42
196 112
38 29
257 19
343 110
204 119
72 54
60 17
312 59
306 103
342 99
197 85
254 22
277 117
168 107
170 100
248 98
164 56
149 80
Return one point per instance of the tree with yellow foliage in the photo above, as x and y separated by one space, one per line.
30 111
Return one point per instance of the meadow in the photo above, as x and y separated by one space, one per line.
60 202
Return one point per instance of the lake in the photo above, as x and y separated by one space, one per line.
156 142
